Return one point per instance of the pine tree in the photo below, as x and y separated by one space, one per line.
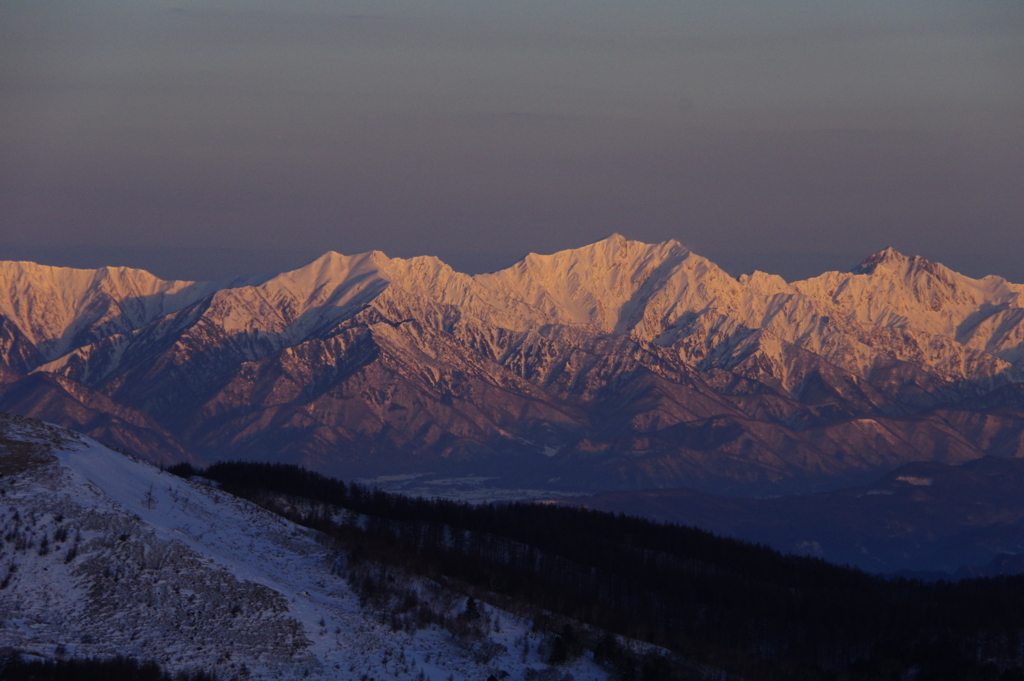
149 500
471 610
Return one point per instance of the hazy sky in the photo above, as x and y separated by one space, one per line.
201 139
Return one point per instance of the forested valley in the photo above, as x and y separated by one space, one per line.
709 602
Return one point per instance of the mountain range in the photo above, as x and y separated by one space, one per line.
618 365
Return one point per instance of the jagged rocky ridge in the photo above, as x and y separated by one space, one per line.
615 365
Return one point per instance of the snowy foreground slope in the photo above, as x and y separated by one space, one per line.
104 554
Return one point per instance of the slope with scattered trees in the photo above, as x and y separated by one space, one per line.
718 602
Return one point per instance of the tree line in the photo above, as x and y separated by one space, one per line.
742 607
120 668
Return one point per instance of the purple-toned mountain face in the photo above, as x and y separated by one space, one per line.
619 365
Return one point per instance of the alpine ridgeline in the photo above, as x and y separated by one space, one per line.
615 365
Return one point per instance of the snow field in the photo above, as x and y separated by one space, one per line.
182 573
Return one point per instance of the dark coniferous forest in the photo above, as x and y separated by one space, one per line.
718 602
16 668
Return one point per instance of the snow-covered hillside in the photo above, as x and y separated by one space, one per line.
103 554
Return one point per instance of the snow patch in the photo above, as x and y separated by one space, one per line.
916 481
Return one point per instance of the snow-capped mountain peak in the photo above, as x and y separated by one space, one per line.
600 285
887 258
61 308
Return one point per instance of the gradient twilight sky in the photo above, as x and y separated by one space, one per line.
202 139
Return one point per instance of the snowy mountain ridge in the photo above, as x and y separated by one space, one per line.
613 286
408 354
